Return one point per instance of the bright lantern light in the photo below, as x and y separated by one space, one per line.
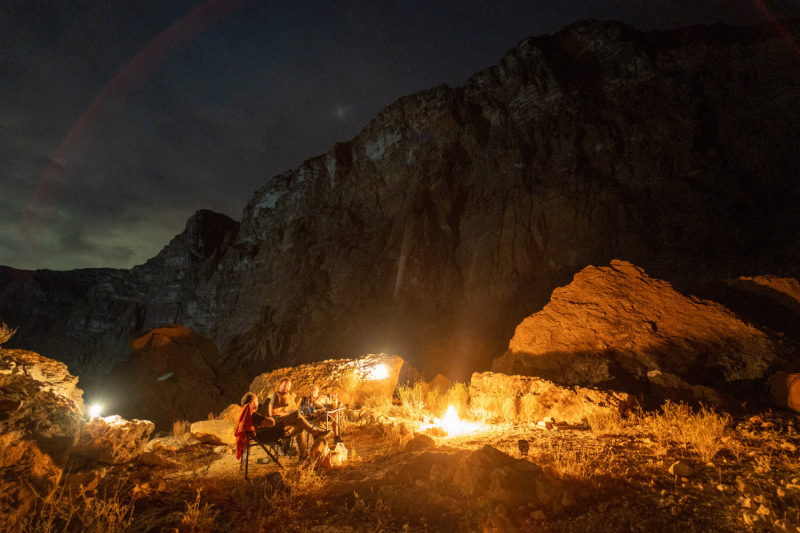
378 372
94 411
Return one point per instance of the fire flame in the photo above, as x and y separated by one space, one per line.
452 424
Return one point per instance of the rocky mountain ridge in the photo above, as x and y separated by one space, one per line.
455 213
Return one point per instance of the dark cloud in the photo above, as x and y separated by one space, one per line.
252 96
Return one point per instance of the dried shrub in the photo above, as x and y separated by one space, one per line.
530 409
413 399
703 430
181 427
349 382
59 511
391 434
6 332
457 396
197 518
495 405
382 404
435 402
289 503
604 421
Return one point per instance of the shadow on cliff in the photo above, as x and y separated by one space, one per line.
738 378
763 306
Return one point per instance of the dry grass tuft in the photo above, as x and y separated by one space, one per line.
413 399
604 421
496 405
60 512
458 396
530 410
199 519
288 503
349 382
181 427
6 332
382 404
703 430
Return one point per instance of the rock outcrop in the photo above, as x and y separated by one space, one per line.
214 431
171 374
352 379
489 475
614 324
546 399
39 424
111 440
52 375
784 390
455 212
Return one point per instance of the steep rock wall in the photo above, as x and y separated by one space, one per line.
456 211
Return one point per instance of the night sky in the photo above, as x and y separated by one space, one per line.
119 119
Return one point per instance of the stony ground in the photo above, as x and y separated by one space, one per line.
617 481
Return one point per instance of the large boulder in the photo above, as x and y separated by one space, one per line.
52 375
784 390
570 404
111 440
171 374
214 431
352 379
39 424
614 323
671 387
489 475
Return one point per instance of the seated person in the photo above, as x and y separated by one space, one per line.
324 403
278 407
250 422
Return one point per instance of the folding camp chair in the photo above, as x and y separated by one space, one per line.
271 447
323 421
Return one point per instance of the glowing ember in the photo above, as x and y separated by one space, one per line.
452 424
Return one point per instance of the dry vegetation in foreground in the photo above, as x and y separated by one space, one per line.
181 427
6 332
616 471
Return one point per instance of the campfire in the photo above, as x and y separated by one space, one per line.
450 425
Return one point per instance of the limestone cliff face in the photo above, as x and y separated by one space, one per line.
456 211
87 318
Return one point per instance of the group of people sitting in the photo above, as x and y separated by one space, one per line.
280 417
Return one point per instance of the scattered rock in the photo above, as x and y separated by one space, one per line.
491 475
111 440
84 481
153 459
567 404
538 515
755 521
681 469
172 443
214 432
784 390
424 440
